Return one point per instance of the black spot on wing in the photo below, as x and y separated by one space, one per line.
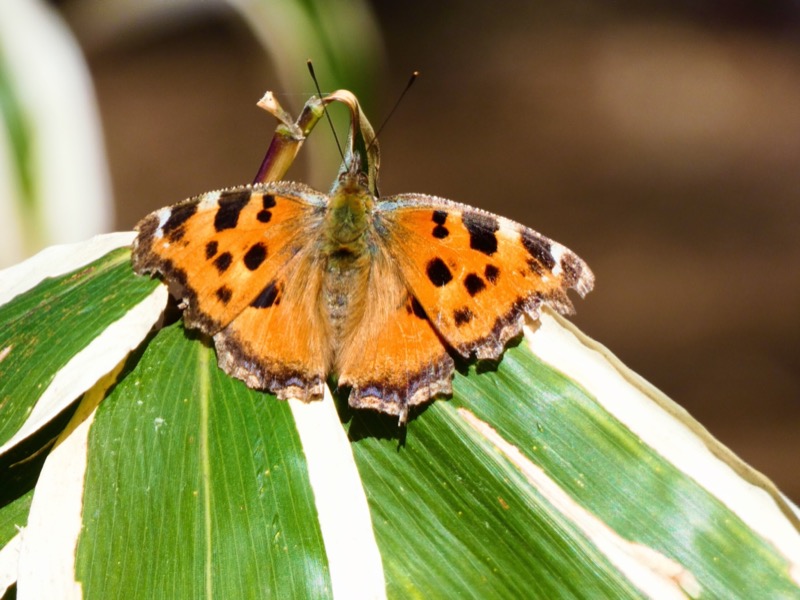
536 267
438 273
224 294
267 297
474 284
211 249
223 261
267 202
491 273
265 214
230 206
539 249
178 216
176 235
462 316
255 256
440 231
481 230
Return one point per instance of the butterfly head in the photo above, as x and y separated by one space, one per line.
352 176
351 201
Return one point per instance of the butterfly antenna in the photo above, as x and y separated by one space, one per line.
411 81
325 108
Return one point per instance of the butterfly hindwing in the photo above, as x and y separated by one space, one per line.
281 341
476 274
393 359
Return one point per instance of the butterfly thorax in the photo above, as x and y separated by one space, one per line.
345 251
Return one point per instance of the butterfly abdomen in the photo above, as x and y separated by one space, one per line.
345 279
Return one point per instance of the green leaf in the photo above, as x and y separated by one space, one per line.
450 514
46 327
483 509
13 516
216 489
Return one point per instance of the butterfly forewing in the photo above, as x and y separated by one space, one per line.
219 250
476 274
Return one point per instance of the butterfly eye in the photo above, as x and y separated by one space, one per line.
353 174
350 180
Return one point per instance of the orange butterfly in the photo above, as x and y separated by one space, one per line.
295 285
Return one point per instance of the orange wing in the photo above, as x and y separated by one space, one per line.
218 251
393 359
242 262
281 341
476 274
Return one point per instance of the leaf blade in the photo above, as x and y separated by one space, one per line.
47 326
262 523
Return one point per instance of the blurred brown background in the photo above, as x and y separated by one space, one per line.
660 141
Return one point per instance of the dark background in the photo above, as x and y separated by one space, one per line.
660 141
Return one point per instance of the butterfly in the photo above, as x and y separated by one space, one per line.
295 285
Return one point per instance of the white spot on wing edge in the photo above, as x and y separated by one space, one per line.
163 216
651 572
557 251
669 430
58 260
99 357
354 559
209 200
